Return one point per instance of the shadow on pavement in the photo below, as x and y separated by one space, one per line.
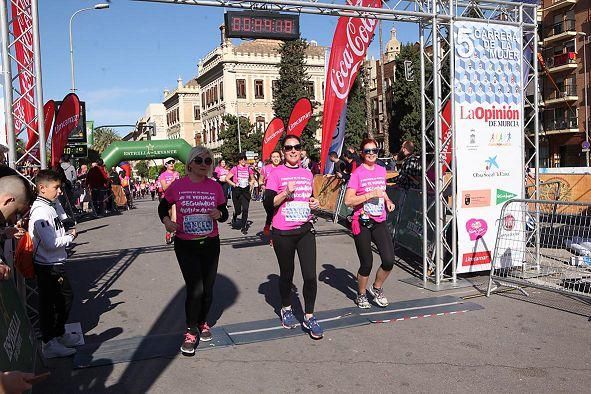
339 279
270 289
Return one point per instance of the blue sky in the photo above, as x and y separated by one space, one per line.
126 55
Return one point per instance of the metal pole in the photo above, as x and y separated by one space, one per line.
439 215
452 130
72 47
38 85
7 71
424 156
238 123
585 42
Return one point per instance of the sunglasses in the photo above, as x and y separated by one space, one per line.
169 163
200 160
373 151
289 148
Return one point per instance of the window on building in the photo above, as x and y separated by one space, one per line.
274 87
196 112
260 123
221 91
241 88
203 101
310 90
258 89
215 94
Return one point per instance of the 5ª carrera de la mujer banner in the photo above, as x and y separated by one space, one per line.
488 115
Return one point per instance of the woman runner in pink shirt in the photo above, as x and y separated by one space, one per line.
289 192
366 194
200 204
265 173
241 179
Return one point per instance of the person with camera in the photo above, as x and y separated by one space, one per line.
366 194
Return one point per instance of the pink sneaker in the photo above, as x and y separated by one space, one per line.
189 344
205 332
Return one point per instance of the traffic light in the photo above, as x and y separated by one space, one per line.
152 128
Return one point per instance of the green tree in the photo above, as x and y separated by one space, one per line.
154 172
142 169
103 137
356 125
293 84
249 138
180 168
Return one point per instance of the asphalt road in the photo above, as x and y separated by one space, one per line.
127 283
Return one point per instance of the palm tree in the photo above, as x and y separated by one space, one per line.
103 137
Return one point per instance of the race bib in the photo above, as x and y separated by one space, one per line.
243 183
296 211
198 224
374 207
222 178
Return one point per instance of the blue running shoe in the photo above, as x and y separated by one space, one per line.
313 328
288 320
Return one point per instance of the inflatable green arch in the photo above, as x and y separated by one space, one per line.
140 150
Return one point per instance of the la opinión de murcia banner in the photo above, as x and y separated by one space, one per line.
22 22
66 120
273 133
349 47
488 114
299 117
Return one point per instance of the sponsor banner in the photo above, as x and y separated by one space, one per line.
300 116
22 24
272 135
338 139
488 115
66 120
349 46
49 115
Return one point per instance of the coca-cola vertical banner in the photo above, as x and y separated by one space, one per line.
49 112
300 116
272 134
66 121
22 21
349 46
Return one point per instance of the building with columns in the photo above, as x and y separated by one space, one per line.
239 79
183 112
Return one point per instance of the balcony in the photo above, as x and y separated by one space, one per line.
562 62
559 4
557 126
567 93
560 31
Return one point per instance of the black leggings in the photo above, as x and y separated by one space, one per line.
285 247
199 264
55 299
241 200
381 237
270 211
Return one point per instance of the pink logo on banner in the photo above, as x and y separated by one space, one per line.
476 228
509 222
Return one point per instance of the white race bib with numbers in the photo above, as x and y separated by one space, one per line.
296 211
243 183
374 207
198 224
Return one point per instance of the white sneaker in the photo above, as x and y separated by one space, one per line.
69 339
54 349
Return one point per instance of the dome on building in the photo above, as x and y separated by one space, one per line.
392 46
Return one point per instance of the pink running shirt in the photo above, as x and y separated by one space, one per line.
194 201
167 177
241 175
221 172
293 213
267 170
363 181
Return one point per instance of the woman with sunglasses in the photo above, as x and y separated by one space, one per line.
200 205
289 192
274 162
366 194
165 179
241 177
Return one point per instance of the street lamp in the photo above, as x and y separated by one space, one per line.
585 42
100 6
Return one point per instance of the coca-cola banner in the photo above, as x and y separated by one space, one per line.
349 46
66 121
49 115
300 116
24 108
272 134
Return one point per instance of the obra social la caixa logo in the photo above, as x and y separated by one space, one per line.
491 169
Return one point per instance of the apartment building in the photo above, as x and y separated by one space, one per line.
564 37
183 112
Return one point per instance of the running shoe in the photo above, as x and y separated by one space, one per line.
205 332
190 343
244 230
69 339
362 301
313 328
378 296
168 238
288 320
267 231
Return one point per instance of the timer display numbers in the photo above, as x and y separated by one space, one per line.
255 24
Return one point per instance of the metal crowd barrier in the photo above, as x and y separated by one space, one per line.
543 244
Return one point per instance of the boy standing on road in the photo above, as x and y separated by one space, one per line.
49 255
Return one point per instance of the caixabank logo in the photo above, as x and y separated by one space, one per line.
491 169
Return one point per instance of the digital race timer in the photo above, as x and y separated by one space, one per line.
261 24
